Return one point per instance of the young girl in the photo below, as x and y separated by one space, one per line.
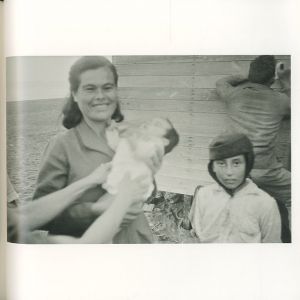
234 209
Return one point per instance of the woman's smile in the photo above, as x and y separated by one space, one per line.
97 96
101 106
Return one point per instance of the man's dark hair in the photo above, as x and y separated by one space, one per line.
262 69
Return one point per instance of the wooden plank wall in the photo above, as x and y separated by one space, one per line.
182 88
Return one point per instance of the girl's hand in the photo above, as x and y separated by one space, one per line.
99 175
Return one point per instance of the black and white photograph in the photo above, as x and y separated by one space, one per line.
141 149
149 150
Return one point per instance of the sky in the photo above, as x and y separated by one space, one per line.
37 77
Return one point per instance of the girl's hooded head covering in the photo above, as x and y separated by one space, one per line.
229 145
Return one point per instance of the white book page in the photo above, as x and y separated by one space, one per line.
196 271
2 160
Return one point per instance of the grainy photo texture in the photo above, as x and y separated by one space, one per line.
149 149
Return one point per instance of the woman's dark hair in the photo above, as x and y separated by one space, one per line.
72 115
262 69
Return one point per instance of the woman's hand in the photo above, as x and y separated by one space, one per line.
99 175
130 191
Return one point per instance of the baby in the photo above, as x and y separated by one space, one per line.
135 147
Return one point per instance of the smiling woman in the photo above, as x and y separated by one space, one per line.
72 155
93 83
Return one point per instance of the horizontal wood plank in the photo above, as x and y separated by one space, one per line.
169 93
152 59
170 81
188 154
173 105
189 68
179 185
155 59
170 69
188 173
180 69
179 119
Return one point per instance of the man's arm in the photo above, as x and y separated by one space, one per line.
225 86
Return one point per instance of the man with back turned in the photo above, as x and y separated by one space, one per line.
257 110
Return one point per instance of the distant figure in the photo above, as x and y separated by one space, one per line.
257 110
134 146
234 209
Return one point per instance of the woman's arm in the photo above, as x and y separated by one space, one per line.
43 210
108 224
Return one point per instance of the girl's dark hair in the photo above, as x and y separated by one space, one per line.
262 69
72 115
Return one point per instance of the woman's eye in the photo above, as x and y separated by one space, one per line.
89 89
108 88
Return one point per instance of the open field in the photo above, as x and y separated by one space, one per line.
30 125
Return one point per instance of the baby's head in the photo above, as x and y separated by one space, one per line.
161 127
